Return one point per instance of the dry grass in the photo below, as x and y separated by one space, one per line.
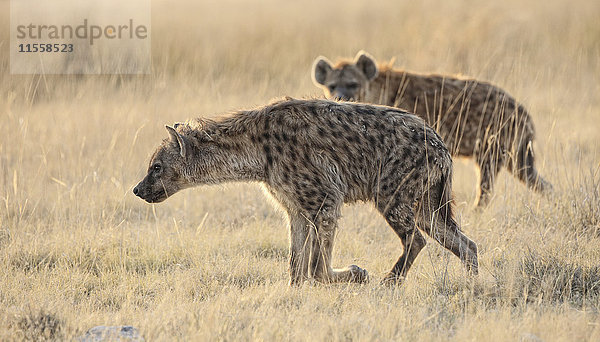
78 250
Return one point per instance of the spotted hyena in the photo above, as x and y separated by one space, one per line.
313 156
475 119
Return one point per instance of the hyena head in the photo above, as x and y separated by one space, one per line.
347 81
166 169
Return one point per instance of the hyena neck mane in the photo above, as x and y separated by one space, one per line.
388 78
224 150
392 84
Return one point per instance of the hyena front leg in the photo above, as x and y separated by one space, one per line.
300 243
401 219
324 228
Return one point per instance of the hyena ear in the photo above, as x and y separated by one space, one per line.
178 124
366 63
320 69
178 138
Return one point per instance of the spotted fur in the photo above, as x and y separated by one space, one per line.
313 156
475 119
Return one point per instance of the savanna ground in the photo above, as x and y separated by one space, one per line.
77 249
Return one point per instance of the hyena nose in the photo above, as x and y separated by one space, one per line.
341 97
136 191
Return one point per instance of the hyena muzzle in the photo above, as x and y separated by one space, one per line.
313 156
475 119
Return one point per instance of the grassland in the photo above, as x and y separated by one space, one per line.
77 249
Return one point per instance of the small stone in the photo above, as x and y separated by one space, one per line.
529 337
111 333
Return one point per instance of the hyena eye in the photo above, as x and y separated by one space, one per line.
156 167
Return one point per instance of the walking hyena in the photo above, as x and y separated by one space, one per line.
475 119
313 156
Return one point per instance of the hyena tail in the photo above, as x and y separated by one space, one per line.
438 204
525 165
444 190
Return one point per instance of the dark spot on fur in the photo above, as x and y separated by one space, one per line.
279 119
268 155
416 138
416 174
419 162
406 153
367 110
345 148
293 154
317 181
430 160
372 140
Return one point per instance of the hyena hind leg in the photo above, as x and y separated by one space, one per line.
523 166
489 166
445 230
401 219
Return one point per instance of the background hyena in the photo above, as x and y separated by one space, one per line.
313 156
475 119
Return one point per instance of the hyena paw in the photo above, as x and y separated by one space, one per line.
392 279
358 275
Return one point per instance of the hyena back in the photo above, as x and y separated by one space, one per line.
475 119
313 156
